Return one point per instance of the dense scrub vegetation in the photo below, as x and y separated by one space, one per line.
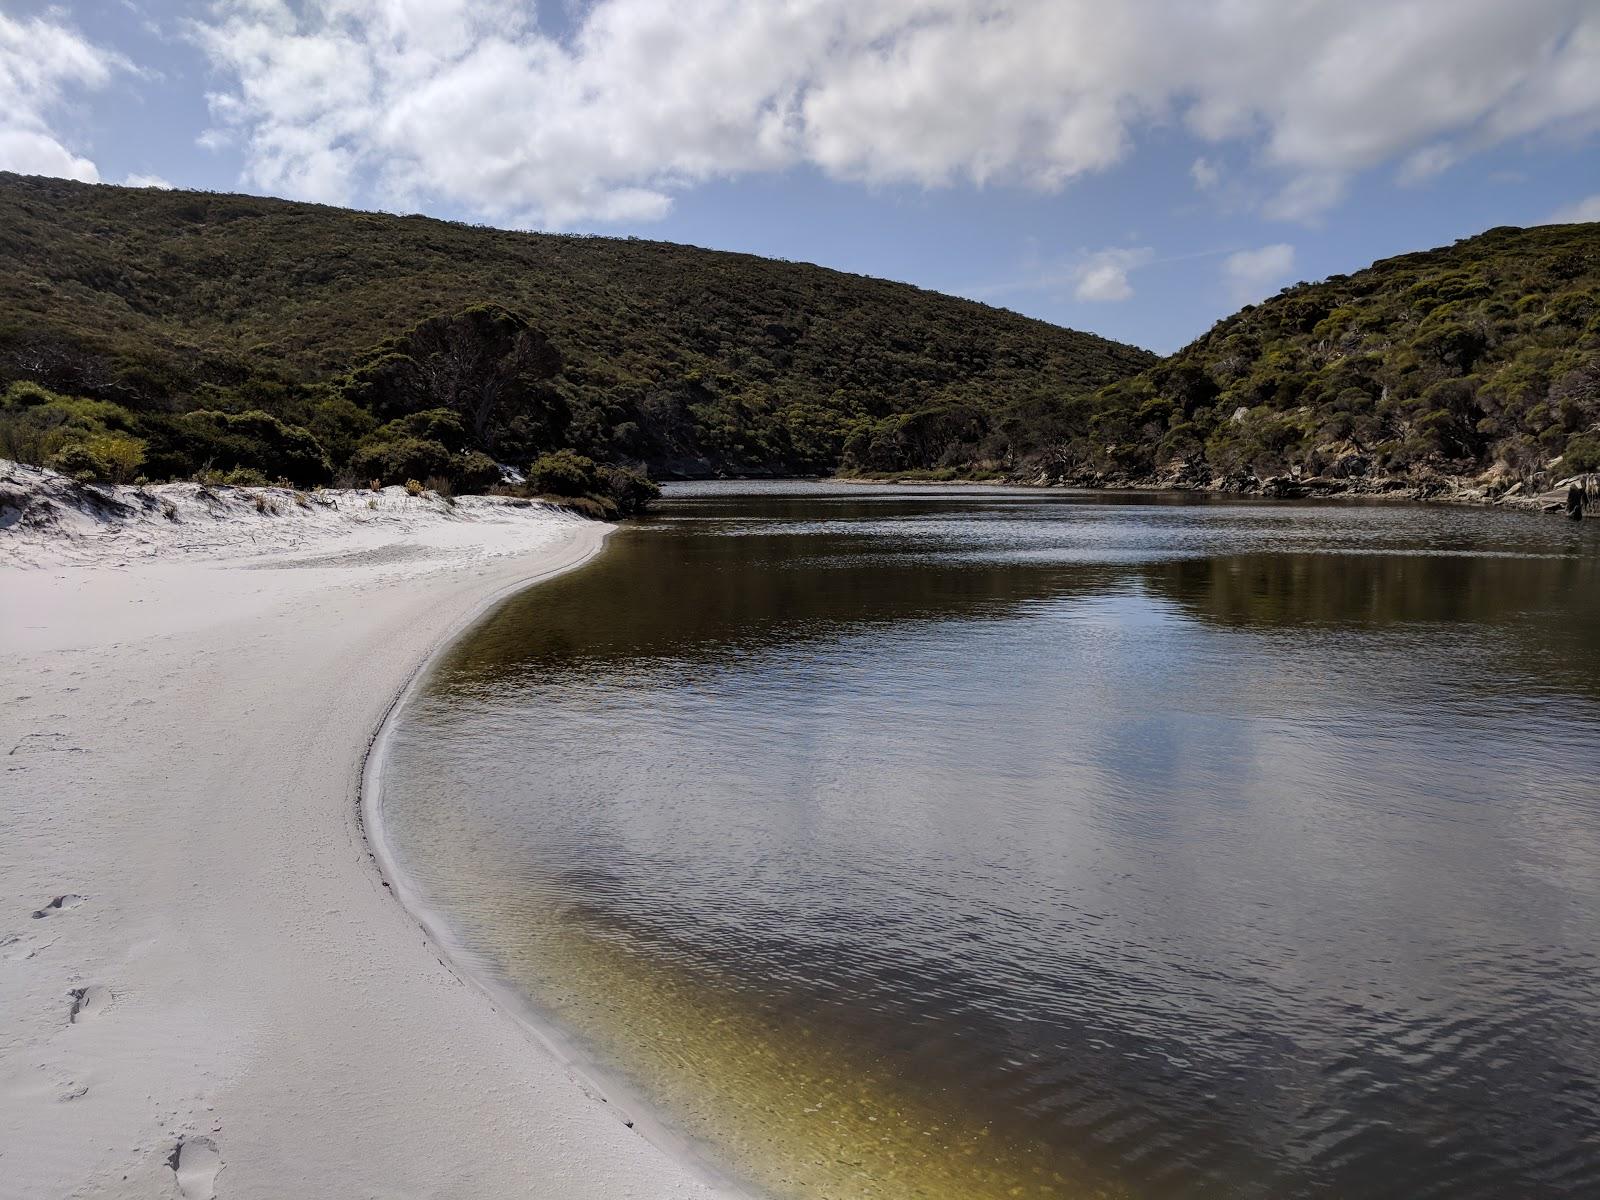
167 333
1481 356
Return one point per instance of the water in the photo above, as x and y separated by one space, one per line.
917 843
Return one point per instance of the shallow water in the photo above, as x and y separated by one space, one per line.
966 843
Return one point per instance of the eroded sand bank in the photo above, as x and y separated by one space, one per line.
227 1000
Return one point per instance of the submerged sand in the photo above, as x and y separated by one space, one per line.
206 985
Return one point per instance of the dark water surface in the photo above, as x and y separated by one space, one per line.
918 843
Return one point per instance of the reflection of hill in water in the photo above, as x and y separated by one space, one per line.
662 594
1373 589
686 593
1544 611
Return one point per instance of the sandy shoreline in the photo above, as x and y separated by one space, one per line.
183 731
598 1081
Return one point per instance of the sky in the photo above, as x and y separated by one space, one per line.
1137 169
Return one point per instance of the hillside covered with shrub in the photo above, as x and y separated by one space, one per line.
1480 357
159 334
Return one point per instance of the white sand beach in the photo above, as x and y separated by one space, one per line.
206 985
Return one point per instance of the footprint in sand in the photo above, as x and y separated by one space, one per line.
15 947
195 1161
88 1003
59 904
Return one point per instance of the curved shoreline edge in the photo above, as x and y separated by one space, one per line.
197 677
624 1103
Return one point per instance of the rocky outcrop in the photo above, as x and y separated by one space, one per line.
1577 496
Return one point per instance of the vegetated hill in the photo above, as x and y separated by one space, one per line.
179 330
1480 359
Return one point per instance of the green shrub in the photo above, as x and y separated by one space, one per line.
1582 454
80 463
185 445
473 472
564 473
102 458
27 394
401 459
431 425
339 426
121 454
631 490
38 426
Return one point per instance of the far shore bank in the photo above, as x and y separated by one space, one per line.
1440 489
1470 491
208 984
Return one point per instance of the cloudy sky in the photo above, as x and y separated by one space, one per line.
1137 168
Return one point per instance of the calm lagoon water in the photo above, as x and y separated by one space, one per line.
966 843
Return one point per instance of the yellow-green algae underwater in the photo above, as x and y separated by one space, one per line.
780 1101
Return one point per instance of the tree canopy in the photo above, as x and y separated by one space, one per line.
181 331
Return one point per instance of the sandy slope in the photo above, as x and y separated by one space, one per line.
238 1006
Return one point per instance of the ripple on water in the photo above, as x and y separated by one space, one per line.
922 845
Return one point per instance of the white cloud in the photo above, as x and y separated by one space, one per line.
1587 209
1422 165
1305 198
1251 274
1205 173
41 63
148 181
1103 276
32 152
469 101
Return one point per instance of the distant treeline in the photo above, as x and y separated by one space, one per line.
166 334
